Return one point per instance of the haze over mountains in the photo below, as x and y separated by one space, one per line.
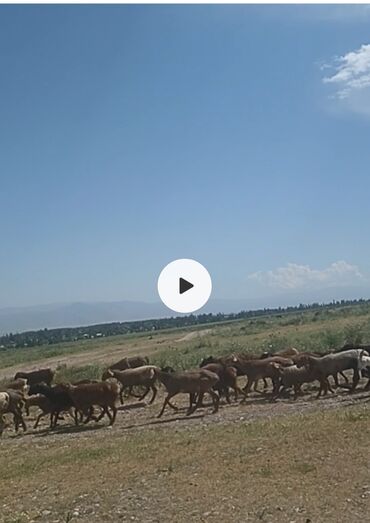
18 319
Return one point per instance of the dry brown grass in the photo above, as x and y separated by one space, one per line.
302 468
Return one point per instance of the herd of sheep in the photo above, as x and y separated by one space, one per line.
88 400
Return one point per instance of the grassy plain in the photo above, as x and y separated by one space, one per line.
300 462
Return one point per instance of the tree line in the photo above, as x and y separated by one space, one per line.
69 334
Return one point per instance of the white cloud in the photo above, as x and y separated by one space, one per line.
349 80
351 72
294 276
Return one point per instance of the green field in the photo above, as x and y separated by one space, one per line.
320 330
302 462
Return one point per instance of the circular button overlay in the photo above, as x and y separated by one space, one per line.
184 285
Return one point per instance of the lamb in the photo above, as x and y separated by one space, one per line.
189 382
37 376
103 394
129 378
331 364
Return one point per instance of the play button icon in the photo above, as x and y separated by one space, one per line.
184 285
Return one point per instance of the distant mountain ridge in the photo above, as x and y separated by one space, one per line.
57 315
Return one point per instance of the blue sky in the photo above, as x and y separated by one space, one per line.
134 135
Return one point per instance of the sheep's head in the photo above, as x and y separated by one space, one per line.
364 361
107 374
276 368
302 361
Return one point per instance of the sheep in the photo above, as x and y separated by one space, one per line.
351 346
228 362
40 401
4 406
331 364
259 369
299 356
228 378
189 382
4 401
103 394
59 398
130 363
19 384
286 353
16 401
129 378
37 376
295 377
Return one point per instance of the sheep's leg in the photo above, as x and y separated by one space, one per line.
172 406
16 421
121 395
240 391
265 384
248 387
367 386
192 398
275 388
297 390
38 420
154 390
143 395
114 409
329 387
75 417
322 386
255 387
166 401
102 414
54 418
89 415
216 401
192 409
344 376
24 426
356 379
227 394
110 416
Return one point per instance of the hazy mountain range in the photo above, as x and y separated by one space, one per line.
18 319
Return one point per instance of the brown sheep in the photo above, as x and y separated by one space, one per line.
189 382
